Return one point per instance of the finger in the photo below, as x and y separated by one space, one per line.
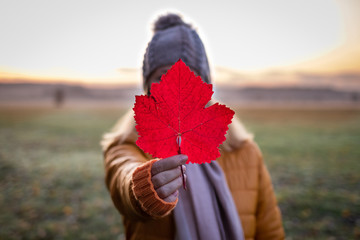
166 190
165 177
168 163
172 197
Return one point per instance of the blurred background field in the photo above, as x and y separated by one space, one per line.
290 69
52 176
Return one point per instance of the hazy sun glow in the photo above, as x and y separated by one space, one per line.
95 41
268 33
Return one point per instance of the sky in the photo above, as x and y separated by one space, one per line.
252 42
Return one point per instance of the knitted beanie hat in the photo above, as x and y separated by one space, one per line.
173 39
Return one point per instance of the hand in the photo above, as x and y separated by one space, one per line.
166 176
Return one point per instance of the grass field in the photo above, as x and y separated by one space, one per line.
52 177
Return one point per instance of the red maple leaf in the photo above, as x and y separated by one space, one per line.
175 114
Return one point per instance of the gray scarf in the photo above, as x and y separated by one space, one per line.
206 210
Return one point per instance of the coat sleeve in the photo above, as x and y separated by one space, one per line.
128 179
268 216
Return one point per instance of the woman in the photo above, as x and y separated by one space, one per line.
230 198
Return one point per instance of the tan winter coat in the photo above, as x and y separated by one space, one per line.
241 160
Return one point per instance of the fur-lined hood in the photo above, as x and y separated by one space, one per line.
125 131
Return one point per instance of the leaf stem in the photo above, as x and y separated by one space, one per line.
178 141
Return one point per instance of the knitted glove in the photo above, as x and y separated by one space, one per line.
145 193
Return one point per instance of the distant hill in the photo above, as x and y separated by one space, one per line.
39 92
286 94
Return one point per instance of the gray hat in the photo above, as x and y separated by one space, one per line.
173 39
